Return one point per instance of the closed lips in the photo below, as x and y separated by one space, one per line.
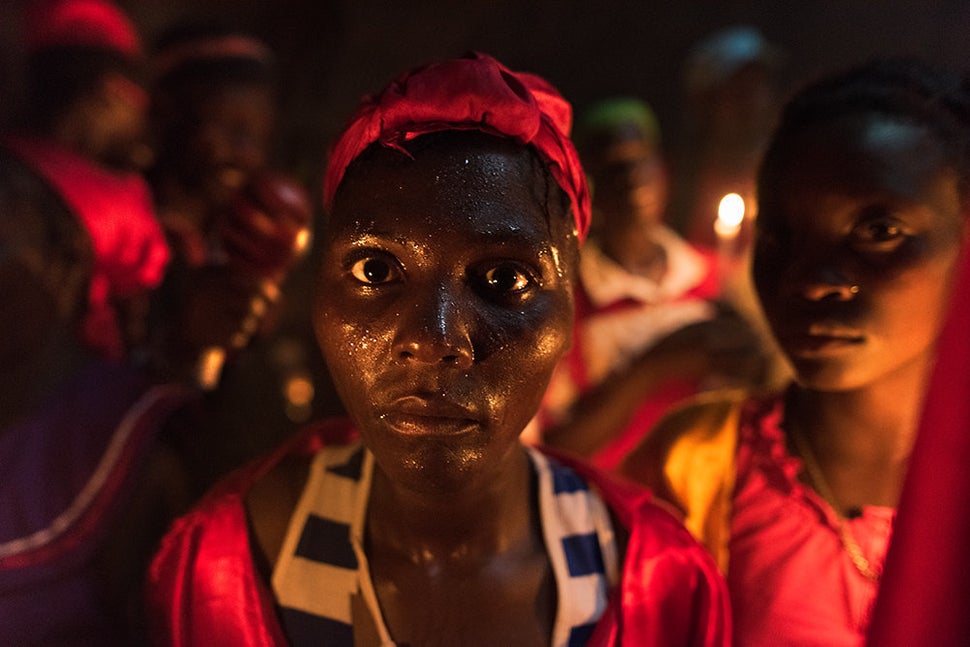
414 414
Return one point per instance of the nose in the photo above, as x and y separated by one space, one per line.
828 285
435 331
823 292
644 171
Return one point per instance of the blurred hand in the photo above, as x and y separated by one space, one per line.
218 310
724 351
216 304
268 227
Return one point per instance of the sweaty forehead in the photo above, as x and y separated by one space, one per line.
433 152
481 181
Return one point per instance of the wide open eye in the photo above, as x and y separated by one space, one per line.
375 270
506 280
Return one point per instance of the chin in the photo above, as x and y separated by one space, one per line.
827 378
436 470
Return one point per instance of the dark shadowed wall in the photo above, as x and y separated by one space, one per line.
335 50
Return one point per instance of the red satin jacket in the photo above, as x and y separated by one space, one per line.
203 588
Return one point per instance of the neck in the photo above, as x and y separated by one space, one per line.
472 523
854 426
876 421
637 252
174 198
75 133
861 438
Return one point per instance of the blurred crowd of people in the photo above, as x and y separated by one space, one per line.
152 344
146 242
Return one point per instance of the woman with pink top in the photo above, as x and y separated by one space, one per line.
862 218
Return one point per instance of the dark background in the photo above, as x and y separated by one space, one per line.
333 51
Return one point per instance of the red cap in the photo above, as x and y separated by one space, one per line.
86 23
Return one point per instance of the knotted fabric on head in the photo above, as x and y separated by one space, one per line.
472 93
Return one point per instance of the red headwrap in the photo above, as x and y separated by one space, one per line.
88 23
472 93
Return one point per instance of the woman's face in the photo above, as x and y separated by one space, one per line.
231 140
859 227
444 302
630 185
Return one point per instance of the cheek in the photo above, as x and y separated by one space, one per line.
919 306
210 145
541 348
349 349
553 341
525 362
908 307
541 332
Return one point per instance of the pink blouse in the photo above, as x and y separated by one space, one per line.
791 580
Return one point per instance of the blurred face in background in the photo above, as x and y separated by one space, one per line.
230 141
629 181
117 123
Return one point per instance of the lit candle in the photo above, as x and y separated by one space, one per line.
727 226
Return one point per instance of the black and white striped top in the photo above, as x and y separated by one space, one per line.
322 567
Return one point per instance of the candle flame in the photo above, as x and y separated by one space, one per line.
730 214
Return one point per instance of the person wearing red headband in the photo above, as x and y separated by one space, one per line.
456 204
80 252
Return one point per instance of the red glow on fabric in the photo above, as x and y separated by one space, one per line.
925 589
90 23
203 587
116 209
472 93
